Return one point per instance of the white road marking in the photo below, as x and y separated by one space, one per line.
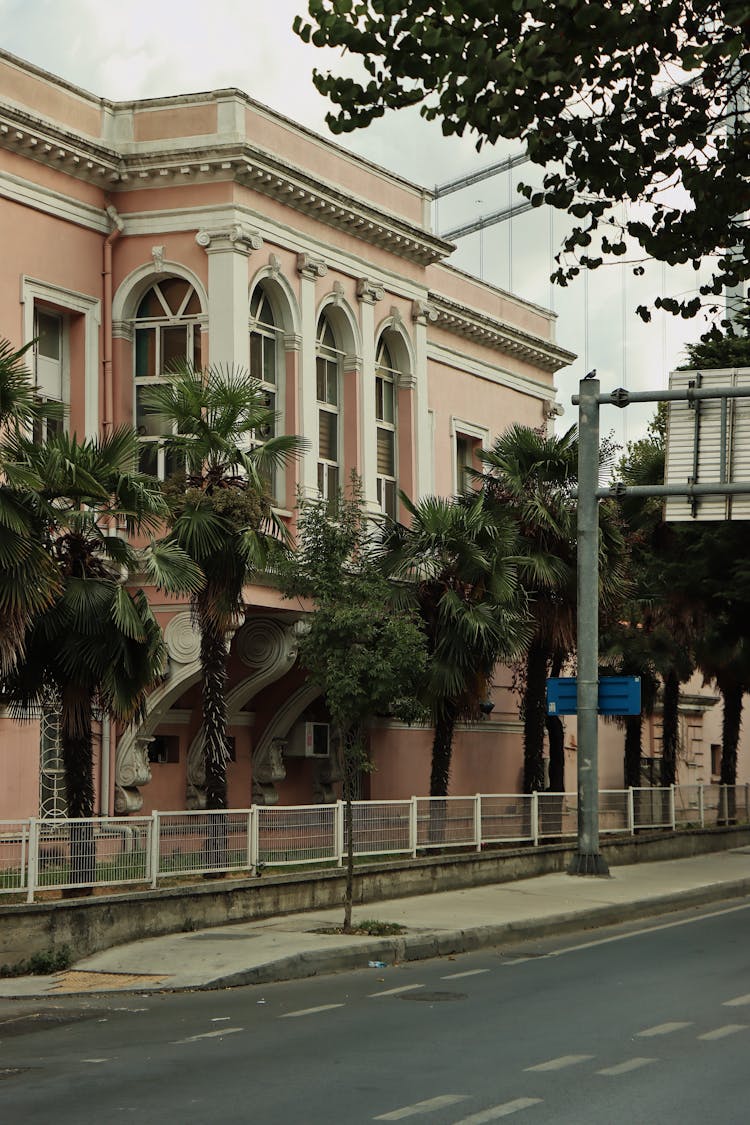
309 1011
209 1035
737 1002
625 1067
722 1032
421 1107
663 1029
468 973
634 933
560 1063
495 1112
523 960
395 991
95 1060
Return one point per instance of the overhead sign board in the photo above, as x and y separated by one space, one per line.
618 695
708 442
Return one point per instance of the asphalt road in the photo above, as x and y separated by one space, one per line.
637 1025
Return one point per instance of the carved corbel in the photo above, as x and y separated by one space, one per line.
268 770
236 237
369 292
423 312
133 769
311 267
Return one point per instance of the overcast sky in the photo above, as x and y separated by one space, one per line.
151 48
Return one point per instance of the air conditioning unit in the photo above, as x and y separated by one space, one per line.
309 740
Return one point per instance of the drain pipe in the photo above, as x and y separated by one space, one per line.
117 228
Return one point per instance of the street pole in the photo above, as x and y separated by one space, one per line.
588 860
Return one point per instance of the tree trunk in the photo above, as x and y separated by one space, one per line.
215 750
731 724
350 769
556 736
534 716
77 754
213 657
442 747
633 754
670 728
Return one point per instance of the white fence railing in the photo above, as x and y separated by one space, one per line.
38 855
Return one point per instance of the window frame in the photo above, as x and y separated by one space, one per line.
386 374
327 352
191 323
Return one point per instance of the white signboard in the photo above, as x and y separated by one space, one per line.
709 443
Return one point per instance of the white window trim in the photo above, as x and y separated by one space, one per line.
35 292
459 427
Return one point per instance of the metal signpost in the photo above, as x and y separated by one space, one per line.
588 859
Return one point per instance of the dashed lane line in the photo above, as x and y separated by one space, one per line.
559 1063
495 1112
737 1002
209 1035
468 973
422 1107
396 991
309 1011
664 1029
625 1067
722 1032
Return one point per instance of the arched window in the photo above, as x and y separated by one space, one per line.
386 385
167 333
265 351
328 363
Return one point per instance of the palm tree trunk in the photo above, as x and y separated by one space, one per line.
442 747
731 724
670 729
213 658
534 716
77 754
633 750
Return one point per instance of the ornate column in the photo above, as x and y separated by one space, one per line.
369 293
310 269
423 313
228 250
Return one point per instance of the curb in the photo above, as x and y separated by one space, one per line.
433 943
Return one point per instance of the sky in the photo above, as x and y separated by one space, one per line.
153 48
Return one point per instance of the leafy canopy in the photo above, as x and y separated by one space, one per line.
620 102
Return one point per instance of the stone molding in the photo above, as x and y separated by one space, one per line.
369 292
311 267
238 237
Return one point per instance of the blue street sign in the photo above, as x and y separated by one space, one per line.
618 695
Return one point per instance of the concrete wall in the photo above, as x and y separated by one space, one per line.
89 925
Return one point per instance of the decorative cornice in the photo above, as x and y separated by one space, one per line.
483 329
369 292
262 171
310 267
238 237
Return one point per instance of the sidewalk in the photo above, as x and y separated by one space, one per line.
438 924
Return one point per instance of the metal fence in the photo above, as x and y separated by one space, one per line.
41 855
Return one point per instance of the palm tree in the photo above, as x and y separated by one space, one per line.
28 581
457 560
528 479
221 516
98 645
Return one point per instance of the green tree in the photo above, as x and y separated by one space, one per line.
221 516
28 579
528 481
365 652
457 561
617 101
98 645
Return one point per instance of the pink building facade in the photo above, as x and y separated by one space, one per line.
207 226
